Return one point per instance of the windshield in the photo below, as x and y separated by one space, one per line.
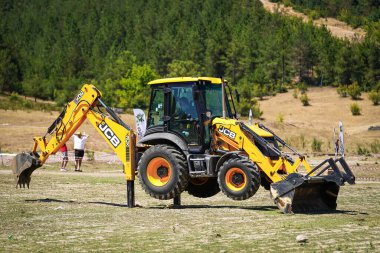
213 96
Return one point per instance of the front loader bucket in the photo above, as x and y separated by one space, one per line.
23 166
299 195
305 193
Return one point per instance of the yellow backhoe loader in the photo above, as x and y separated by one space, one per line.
195 143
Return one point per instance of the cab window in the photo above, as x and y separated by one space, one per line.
156 110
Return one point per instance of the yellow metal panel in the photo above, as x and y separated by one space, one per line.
213 80
255 128
118 138
260 131
227 131
75 114
224 121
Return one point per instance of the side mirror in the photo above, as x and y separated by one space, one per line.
237 94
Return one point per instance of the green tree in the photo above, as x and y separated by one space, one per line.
134 90
183 68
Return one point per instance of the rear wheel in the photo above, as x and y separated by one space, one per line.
238 178
163 172
203 187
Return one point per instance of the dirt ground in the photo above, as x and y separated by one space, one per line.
337 28
81 212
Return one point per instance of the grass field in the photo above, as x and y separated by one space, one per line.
73 212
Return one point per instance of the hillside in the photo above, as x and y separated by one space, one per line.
317 120
337 28
49 48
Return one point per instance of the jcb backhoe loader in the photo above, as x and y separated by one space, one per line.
195 142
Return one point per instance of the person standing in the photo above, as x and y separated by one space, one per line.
65 158
79 142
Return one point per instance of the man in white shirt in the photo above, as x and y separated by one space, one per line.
79 142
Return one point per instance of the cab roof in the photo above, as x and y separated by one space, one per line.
213 80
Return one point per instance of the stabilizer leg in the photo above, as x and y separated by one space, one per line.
177 200
131 193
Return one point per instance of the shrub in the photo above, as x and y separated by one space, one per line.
375 147
280 118
355 109
27 104
14 97
374 96
90 155
15 102
295 93
259 91
302 140
304 99
256 112
313 15
342 91
281 89
245 105
353 91
302 88
361 150
316 145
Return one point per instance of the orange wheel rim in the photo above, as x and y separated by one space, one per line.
236 179
158 171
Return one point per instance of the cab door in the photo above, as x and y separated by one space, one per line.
183 114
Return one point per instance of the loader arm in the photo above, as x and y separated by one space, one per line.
290 190
118 135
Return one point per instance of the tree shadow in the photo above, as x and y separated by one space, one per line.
49 200
257 208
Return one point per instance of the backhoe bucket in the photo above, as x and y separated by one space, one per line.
23 166
303 194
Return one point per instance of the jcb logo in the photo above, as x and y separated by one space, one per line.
78 97
227 132
109 134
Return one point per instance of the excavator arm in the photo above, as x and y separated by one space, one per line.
119 136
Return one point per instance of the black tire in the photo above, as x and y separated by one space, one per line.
238 178
163 172
203 187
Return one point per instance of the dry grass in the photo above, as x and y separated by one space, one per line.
19 127
318 120
86 212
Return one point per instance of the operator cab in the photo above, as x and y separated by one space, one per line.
184 107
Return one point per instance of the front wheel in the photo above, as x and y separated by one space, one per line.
163 172
238 178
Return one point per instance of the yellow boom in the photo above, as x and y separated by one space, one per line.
114 131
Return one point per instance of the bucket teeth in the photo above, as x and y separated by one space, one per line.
23 166
300 195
